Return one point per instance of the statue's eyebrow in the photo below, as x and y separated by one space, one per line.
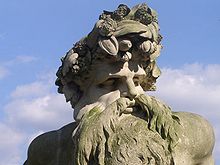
109 77
100 78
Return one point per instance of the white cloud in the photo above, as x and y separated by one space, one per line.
42 113
193 88
3 72
38 106
34 89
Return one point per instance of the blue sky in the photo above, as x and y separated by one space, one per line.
34 35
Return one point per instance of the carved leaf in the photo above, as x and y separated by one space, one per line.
154 30
109 45
129 26
146 34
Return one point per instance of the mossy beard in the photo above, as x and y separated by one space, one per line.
145 136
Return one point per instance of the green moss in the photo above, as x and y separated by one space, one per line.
93 112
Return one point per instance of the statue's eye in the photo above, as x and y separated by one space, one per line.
109 82
137 80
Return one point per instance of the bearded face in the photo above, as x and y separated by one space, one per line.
111 82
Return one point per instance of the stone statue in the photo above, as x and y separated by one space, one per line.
105 77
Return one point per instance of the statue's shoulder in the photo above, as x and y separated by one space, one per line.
197 139
52 136
196 128
44 148
191 120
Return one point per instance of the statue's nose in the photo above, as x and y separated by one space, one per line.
131 90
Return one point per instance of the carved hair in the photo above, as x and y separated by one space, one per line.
121 35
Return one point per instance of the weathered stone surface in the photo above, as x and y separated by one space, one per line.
105 77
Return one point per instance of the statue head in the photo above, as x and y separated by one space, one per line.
116 59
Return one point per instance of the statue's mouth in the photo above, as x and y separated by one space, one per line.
132 107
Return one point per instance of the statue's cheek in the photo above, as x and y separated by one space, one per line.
109 98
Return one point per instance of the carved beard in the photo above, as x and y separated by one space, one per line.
146 136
